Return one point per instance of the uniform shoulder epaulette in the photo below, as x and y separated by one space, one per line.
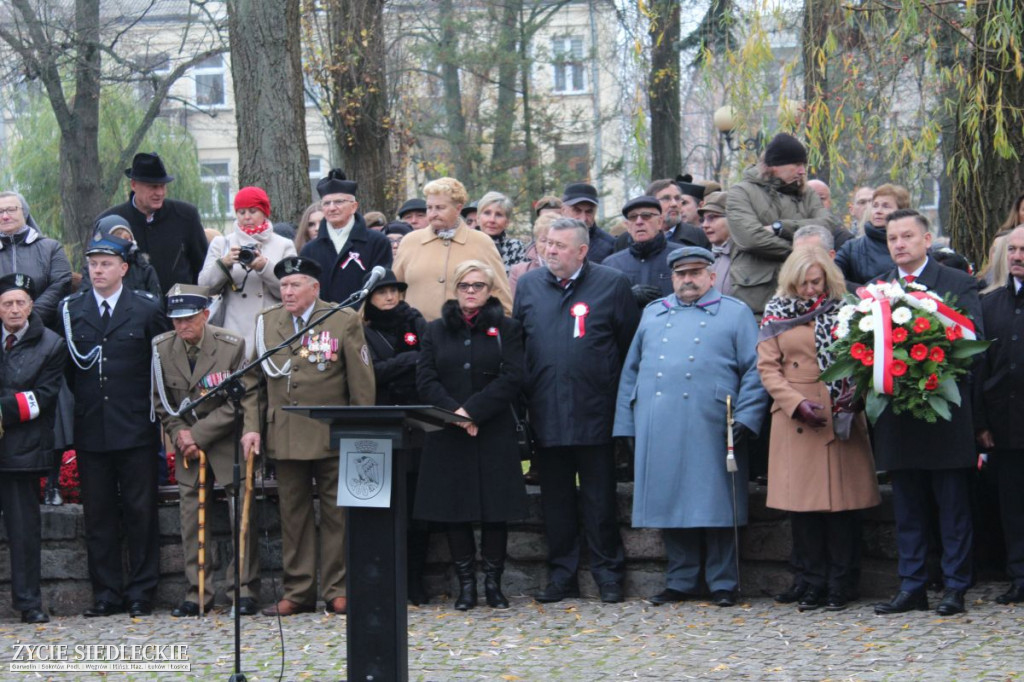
228 337
271 308
72 297
160 338
145 294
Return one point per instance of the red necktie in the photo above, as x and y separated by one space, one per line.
9 343
564 282
910 278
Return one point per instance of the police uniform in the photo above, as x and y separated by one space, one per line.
328 366
211 424
116 438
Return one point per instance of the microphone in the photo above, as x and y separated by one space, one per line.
376 275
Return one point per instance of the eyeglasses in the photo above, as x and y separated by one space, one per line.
336 202
10 210
645 216
474 286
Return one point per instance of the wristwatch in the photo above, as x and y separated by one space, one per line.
777 227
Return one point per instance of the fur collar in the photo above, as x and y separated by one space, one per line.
490 315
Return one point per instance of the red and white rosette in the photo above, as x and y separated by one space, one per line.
579 311
353 256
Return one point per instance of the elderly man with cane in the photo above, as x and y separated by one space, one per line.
692 362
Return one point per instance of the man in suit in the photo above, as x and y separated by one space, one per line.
187 363
109 330
929 464
999 412
329 365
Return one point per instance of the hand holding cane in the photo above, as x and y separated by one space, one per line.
246 503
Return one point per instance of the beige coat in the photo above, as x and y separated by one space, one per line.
810 469
427 264
347 381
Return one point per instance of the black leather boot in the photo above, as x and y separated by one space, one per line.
492 583
466 573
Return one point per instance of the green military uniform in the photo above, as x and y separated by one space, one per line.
329 366
220 352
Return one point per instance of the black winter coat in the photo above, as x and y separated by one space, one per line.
394 338
646 264
602 245
112 410
866 258
175 241
343 273
467 478
902 442
999 384
43 259
571 381
30 374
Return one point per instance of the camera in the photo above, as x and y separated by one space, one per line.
247 254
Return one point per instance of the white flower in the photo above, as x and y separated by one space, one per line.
864 306
846 313
929 305
901 315
867 323
842 330
915 285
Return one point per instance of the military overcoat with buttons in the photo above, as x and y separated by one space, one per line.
112 407
683 363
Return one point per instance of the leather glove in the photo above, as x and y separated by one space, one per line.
645 293
741 435
806 412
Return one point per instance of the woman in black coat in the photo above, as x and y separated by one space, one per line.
471 363
393 331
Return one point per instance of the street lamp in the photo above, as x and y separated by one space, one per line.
724 120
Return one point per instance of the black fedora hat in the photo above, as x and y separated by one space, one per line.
388 280
148 167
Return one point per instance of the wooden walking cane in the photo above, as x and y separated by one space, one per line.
246 502
202 533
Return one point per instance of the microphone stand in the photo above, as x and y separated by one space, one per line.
234 389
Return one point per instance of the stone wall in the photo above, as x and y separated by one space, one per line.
765 546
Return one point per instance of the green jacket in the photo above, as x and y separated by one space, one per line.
751 205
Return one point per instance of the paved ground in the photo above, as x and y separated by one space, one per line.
587 640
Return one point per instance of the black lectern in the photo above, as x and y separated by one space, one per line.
377 628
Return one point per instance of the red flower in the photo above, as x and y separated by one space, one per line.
899 335
919 352
858 350
932 383
937 354
869 358
922 324
899 368
954 332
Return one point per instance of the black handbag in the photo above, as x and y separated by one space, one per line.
524 434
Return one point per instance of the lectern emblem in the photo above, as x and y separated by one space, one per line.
364 475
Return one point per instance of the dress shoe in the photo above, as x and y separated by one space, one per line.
338 605
611 592
670 596
1014 595
286 607
904 602
186 609
247 606
952 603
558 591
140 607
34 616
812 599
794 593
52 497
101 609
837 600
723 598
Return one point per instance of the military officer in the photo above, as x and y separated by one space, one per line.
329 365
109 330
187 363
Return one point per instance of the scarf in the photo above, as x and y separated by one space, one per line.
783 313
254 230
648 248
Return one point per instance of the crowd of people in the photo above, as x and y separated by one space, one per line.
696 339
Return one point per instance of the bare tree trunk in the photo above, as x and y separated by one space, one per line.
983 195
663 92
448 57
501 149
361 120
266 68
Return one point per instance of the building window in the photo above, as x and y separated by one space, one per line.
317 170
570 72
216 176
209 75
